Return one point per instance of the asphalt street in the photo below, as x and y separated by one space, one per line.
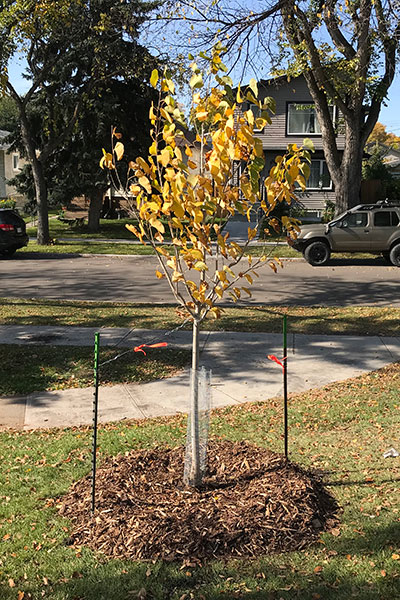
118 278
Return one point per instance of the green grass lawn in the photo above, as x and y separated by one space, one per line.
352 320
33 368
340 430
74 247
109 229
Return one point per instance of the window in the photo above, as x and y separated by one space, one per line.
256 112
355 220
386 219
302 118
15 162
319 176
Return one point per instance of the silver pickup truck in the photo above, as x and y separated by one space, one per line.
373 228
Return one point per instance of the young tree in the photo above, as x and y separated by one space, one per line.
179 201
346 51
68 45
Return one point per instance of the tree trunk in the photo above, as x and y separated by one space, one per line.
195 473
43 234
95 206
348 183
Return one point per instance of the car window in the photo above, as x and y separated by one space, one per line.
386 219
355 220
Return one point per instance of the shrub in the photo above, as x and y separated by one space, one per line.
7 203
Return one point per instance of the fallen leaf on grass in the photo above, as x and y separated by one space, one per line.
396 556
318 569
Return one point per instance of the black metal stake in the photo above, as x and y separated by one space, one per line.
95 414
285 397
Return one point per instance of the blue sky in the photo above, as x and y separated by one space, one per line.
389 116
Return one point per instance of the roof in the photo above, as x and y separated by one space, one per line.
3 135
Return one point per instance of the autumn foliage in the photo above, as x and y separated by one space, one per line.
179 198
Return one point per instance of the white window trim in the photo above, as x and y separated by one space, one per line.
16 168
321 172
302 133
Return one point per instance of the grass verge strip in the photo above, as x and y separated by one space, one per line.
29 368
352 320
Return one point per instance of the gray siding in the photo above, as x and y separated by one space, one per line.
2 176
274 135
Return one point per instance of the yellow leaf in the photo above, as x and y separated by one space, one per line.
201 266
157 225
396 556
164 157
192 164
251 233
219 291
107 160
273 266
119 150
253 87
176 276
154 78
142 164
196 81
135 189
188 151
248 292
229 270
221 275
144 182
202 116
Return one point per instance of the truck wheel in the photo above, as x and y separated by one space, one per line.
317 254
395 255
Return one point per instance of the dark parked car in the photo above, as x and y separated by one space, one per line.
12 232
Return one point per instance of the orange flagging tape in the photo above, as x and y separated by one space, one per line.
272 357
140 348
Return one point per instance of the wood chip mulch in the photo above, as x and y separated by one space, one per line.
253 502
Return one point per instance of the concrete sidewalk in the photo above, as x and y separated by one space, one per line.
241 372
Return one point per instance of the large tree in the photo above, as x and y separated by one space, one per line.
379 134
69 45
346 50
74 170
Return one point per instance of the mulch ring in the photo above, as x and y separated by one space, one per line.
253 502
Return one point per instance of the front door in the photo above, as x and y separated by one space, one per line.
351 233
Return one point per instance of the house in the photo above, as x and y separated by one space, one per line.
10 166
294 120
390 156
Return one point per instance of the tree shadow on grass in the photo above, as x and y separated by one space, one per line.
264 578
